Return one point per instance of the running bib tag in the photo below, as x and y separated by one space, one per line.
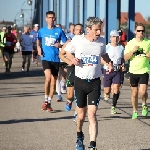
8 43
89 60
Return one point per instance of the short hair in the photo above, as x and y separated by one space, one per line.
26 26
79 24
139 24
92 21
71 24
50 13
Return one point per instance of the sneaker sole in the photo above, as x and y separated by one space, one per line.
58 100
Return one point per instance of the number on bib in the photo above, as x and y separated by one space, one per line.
89 60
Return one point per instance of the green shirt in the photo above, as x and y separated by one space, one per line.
2 38
138 64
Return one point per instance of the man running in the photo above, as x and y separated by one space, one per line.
48 45
34 33
137 51
115 53
88 50
121 44
26 42
10 40
70 73
61 80
2 34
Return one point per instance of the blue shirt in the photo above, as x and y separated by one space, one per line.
70 35
48 38
26 42
35 35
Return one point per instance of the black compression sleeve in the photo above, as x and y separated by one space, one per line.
106 58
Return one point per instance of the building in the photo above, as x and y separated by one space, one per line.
5 23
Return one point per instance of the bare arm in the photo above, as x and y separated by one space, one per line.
39 47
67 59
63 58
130 54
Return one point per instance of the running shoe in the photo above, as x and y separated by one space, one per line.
59 99
135 115
22 69
113 111
91 148
79 144
44 106
68 106
144 110
49 108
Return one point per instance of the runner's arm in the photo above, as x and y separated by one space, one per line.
68 55
38 42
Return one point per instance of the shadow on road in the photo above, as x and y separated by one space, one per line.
34 120
14 75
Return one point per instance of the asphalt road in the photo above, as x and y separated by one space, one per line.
23 126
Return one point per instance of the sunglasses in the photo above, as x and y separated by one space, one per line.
140 30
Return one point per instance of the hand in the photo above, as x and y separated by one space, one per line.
109 69
135 49
58 45
39 51
148 55
75 61
70 63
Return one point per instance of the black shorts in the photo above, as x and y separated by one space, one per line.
70 76
26 52
84 88
62 64
9 51
53 66
136 79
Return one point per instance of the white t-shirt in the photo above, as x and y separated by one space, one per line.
60 49
89 54
115 54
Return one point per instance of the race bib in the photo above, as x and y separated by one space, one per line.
89 60
8 43
49 41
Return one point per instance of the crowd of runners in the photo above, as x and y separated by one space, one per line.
73 64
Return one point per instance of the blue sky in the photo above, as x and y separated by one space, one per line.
9 9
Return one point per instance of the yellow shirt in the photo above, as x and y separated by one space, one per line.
138 64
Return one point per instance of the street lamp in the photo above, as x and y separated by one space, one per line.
29 2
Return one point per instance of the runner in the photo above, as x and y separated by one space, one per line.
9 49
115 53
61 80
121 44
2 44
70 35
88 50
49 37
70 73
137 51
34 32
26 42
